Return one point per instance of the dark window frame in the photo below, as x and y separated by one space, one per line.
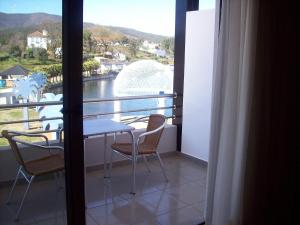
72 105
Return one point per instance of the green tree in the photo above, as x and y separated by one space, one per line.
133 48
29 52
42 55
53 72
90 66
4 56
168 45
55 43
124 40
89 44
15 51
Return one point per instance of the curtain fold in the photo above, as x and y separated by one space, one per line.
233 66
255 126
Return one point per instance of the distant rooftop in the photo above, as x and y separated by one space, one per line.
36 34
15 70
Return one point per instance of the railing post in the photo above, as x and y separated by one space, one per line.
117 108
161 103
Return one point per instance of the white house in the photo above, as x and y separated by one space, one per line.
38 39
58 52
149 47
161 53
105 67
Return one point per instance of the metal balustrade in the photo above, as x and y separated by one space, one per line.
89 101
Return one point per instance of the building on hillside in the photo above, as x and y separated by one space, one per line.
161 53
38 39
108 54
58 53
120 56
153 48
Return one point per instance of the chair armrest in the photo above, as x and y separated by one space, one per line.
149 132
48 147
19 133
133 121
60 134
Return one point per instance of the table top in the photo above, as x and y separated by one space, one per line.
103 126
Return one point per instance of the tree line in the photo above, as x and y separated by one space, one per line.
54 71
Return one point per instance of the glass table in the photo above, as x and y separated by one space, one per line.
96 127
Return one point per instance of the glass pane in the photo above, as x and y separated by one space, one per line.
128 52
30 78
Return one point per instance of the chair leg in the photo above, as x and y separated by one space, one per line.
110 163
162 166
14 185
133 174
24 196
146 163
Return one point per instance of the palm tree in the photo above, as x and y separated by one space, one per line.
51 111
24 89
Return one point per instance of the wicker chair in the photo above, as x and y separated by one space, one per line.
52 163
145 145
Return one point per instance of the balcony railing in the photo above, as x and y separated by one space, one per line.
89 101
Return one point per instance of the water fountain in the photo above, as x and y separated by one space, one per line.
144 77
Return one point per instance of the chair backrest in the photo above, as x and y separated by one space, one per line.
14 147
155 121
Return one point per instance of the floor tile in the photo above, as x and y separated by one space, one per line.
7 216
184 216
123 212
189 193
157 202
162 202
90 221
60 220
99 191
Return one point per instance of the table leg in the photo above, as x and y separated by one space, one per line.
104 155
133 163
111 157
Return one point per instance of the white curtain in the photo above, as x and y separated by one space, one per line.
232 85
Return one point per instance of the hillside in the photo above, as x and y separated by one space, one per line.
26 23
132 33
8 21
18 35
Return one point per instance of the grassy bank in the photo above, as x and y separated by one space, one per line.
29 64
7 115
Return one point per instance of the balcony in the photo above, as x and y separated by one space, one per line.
108 201
180 201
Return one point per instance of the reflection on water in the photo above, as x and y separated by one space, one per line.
98 89
104 89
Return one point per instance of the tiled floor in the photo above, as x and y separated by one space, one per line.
180 201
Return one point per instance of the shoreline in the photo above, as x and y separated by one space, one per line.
86 79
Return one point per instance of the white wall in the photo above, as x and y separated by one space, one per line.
198 83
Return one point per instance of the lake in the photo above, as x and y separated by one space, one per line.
104 88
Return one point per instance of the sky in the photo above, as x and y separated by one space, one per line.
152 16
